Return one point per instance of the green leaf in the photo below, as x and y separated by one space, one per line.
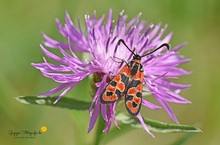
65 102
128 123
155 126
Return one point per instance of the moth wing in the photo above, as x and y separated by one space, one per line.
133 97
116 88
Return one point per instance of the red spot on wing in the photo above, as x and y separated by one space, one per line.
137 100
125 69
109 98
121 86
117 78
139 87
132 91
110 88
139 75
132 110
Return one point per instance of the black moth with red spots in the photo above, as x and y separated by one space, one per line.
128 83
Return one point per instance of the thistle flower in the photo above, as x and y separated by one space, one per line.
99 42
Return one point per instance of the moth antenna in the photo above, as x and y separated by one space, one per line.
164 44
122 41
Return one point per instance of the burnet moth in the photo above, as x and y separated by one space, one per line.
128 82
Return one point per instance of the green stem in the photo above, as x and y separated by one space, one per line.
99 131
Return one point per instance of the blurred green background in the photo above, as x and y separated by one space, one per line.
21 24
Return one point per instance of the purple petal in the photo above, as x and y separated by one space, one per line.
174 97
150 105
92 104
179 47
49 42
109 121
103 111
71 29
121 21
109 22
167 38
170 71
52 56
49 67
75 62
154 31
64 93
60 28
75 35
144 125
133 21
100 87
167 95
113 115
55 90
171 85
167 109
159 35
110 116
94 117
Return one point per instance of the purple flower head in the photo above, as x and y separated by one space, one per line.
99 42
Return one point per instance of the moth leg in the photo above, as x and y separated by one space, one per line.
121 60
113 58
